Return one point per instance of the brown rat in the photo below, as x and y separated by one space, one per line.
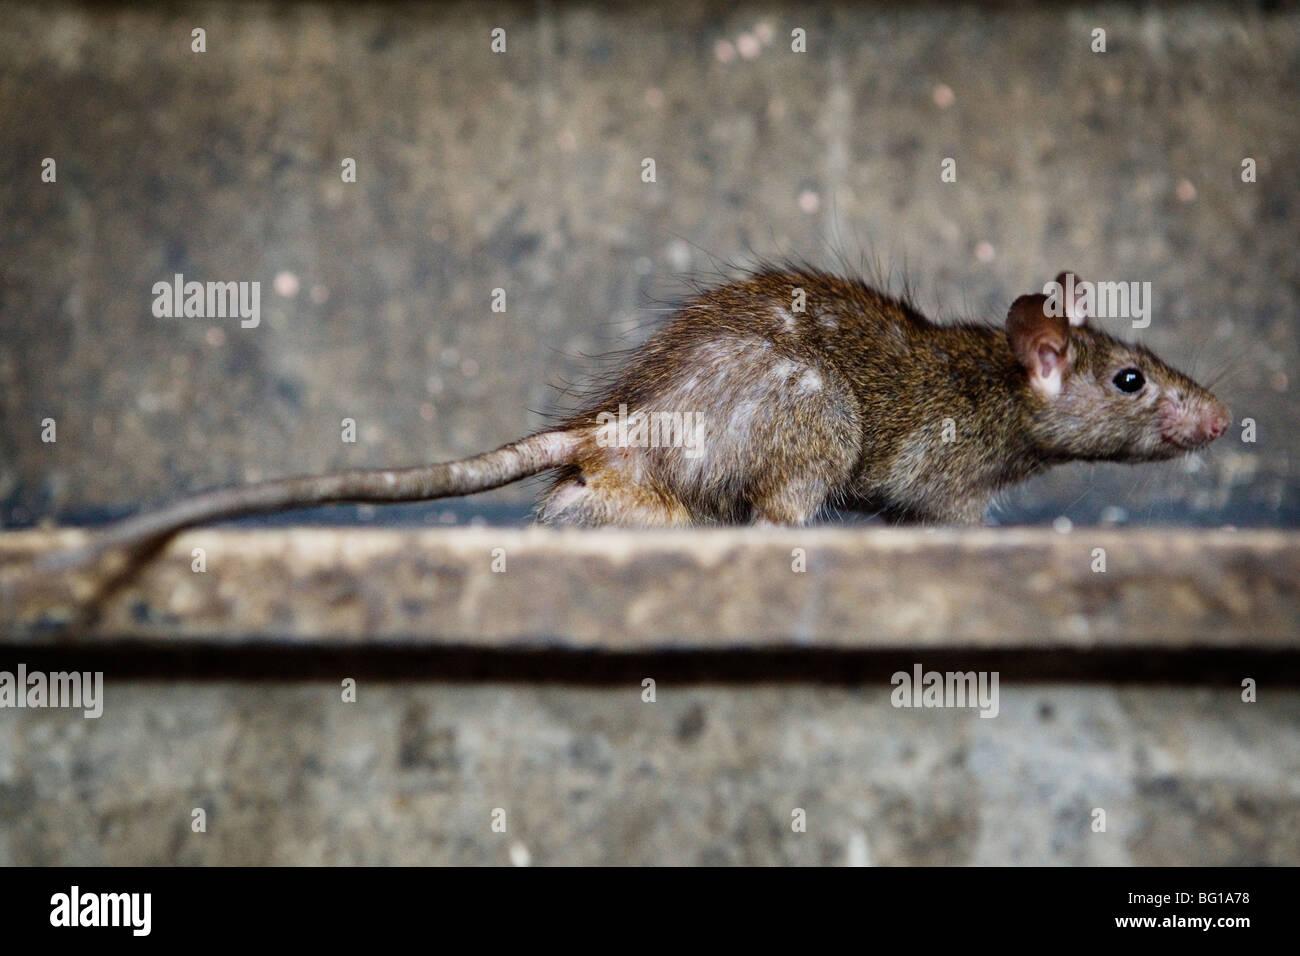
765 399
861 402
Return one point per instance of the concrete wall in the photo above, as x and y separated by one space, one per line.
521 171
708 774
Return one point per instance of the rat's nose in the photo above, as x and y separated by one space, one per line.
1215 422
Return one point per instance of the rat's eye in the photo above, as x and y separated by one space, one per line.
1129 380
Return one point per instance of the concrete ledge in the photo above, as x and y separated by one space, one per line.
716 589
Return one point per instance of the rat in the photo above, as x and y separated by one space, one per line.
768 398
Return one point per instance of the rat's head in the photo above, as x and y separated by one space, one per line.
1096 398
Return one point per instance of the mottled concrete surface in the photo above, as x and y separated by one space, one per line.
521 171
288 774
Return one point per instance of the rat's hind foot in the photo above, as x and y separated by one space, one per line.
588 499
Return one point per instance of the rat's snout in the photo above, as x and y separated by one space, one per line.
1192 420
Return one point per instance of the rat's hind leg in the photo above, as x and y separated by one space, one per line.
779 437
804 451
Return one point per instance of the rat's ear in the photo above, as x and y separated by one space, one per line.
1076 296
1041 343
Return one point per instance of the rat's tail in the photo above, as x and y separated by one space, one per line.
507 464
